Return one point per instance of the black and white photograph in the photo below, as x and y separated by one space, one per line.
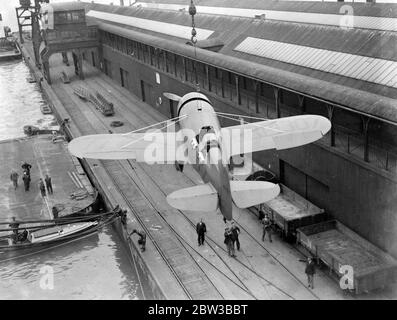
194 156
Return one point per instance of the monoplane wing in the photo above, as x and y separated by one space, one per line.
277 134
151 147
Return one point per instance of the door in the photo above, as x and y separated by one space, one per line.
124 78
93 58
143 91
148 94
108 67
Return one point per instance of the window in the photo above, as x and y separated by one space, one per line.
130 48
75 16
61 17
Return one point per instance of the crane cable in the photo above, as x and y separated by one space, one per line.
193 39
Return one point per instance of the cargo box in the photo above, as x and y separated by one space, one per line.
336 246
290 211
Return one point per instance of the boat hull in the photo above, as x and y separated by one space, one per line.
46 243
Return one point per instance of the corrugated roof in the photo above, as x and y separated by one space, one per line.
380 71
338 19
171 29
388 10
361 101
233 30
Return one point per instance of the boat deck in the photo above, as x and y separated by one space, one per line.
45 157
181 268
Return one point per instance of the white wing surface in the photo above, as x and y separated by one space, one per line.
277 134
151 147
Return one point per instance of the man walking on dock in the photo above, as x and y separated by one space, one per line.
42 187
14 178
201 229
48 184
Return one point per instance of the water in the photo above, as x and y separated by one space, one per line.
97 267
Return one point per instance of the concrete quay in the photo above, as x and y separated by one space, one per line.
173 266
45 157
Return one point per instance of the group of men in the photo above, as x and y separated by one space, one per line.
43 185
26 176
231 238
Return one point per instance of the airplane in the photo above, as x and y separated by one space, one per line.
203 143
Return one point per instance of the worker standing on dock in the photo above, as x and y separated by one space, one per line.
42 187
235 233
26 167
201 229
229 242
14 178
310 270
48 184
26 181
267 224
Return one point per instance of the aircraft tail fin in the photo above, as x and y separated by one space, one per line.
250 193
198 198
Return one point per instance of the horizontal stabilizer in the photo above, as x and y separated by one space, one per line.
250 193
172 96
198 198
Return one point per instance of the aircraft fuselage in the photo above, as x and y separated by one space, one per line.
201 128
